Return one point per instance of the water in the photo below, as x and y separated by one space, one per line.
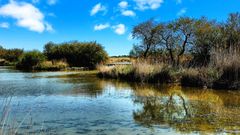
80 103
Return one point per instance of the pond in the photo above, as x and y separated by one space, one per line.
80 103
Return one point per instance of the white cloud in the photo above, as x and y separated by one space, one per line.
51 2
182 12
123 8
123 4
119 29
148 4
26 14
4 25
101 27
128 13
98 8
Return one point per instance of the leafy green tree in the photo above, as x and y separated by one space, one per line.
176 37
184 32
232 30
205 37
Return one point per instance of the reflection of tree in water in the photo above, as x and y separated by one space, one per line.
188 111
185 110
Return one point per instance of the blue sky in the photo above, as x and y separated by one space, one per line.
29 24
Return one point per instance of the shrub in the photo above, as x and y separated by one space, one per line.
30 59
77 54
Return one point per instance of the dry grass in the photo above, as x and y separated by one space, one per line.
119 59
51 65
140 71
225 58
227 62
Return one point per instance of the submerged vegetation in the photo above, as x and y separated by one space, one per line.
193 52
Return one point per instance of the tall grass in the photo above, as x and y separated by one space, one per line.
227 62
51 65
223 71
139 71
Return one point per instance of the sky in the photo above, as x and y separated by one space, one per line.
30 24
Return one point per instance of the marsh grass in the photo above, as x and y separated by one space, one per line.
200 77
227 62
140 71
51 66
223 72
9 123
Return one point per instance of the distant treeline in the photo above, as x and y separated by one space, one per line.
56 56
9 56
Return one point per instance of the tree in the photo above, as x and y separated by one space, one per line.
184 33
148 36
176 37
232 30
167 39
207 36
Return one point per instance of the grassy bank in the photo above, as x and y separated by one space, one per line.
214 77
139 72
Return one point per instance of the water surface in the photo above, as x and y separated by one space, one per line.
80 103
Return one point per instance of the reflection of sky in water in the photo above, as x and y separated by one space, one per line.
62 103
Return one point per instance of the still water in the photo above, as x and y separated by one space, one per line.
80 103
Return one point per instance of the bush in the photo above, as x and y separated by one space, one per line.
77 54
30 59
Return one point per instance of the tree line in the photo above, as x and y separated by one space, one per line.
75 54
185 36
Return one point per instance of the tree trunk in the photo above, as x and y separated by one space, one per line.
146 51
183 49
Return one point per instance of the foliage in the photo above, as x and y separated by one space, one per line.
78 54
30 59
184 36
10 55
